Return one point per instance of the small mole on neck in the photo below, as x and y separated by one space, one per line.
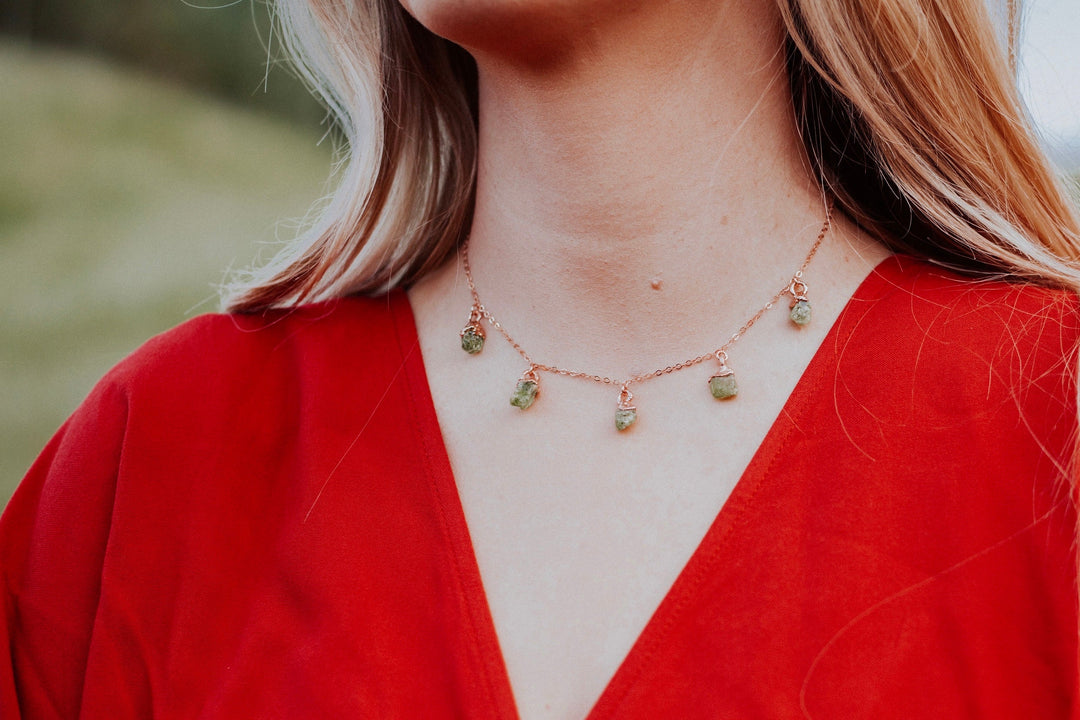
657 283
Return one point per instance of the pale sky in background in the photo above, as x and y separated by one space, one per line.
1050 67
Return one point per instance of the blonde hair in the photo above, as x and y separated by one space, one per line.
908 110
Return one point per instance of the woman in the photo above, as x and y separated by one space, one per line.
288 512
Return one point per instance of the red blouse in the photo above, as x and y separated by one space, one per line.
255 517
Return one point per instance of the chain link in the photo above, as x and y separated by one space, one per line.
796 280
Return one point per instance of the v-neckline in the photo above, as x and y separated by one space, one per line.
481 631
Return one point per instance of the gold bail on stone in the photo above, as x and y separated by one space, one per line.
626 413
722 384
528 387
800 305
472 335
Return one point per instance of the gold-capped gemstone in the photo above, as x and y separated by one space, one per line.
800 312
524 394
472 342
624 418
722 386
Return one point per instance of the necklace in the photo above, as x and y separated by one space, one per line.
722 384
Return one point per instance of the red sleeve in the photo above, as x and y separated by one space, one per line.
53 536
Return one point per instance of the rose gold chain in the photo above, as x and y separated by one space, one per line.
792 289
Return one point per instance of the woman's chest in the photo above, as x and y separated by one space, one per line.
826 590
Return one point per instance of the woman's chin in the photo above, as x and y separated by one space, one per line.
535 31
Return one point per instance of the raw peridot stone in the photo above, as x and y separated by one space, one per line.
624 418
524 394
723 387
471 342
800 312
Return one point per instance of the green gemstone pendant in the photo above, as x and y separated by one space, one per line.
472 335
626 414
800 305
472 339
524 394
722 385
624 418
800 312
528 387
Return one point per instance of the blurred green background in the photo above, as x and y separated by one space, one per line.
147 148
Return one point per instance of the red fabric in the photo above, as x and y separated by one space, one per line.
255 518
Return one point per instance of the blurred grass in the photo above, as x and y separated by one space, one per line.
226 48
123 201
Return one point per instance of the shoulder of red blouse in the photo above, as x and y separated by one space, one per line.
957 343
214 384
221 351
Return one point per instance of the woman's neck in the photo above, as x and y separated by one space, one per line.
642 188
653 120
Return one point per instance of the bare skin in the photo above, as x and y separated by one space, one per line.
642 192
